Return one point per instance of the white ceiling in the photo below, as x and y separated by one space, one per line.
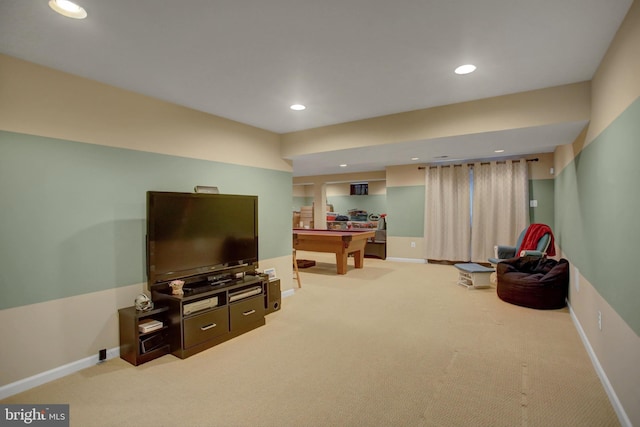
248 60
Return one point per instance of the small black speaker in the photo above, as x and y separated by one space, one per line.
274 296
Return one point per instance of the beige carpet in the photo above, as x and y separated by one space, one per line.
393 344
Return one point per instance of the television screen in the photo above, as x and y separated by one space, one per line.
199 234
359 189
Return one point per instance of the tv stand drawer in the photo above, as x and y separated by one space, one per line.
205 326
246 311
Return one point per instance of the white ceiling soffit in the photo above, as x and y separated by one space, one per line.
516 142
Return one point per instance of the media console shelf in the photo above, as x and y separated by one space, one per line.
136 345
198 321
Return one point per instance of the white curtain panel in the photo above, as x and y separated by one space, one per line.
447 213
500 206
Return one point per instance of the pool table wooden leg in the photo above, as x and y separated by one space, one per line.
358 257
341 262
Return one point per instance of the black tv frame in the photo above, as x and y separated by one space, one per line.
204 275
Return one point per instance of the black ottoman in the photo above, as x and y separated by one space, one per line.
533 282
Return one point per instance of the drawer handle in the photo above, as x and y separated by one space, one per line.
206 327
247 313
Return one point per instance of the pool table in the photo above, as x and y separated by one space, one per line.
340 242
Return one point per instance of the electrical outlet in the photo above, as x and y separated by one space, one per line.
413 244
102 355
599 320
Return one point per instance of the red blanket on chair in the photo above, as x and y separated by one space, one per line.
533 235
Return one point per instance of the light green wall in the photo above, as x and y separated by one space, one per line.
597 203
73 214
542 190
405 208
299 201
372 204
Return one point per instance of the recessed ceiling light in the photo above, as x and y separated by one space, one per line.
465 69
498 151
344 165
415 158
297 107
68 9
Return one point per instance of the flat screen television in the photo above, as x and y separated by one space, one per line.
193 236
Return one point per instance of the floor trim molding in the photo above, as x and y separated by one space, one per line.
53 374
288 293
68 369
62 371
613 397
413 260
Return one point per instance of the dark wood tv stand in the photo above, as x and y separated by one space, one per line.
219 314
136 346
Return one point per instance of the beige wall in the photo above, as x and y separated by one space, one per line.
346 177
123 119
410 248
302 190
39 101
406 248
344 188
615 86
36 100
617 81
527 109
316 187
405 176
410 175
542 168
49 334
616 346
565 154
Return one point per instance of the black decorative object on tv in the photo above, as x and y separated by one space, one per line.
195 236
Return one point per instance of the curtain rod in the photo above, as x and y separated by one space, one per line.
482 163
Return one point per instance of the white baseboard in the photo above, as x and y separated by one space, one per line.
613 397
412 260
54 374
288 293
62 371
